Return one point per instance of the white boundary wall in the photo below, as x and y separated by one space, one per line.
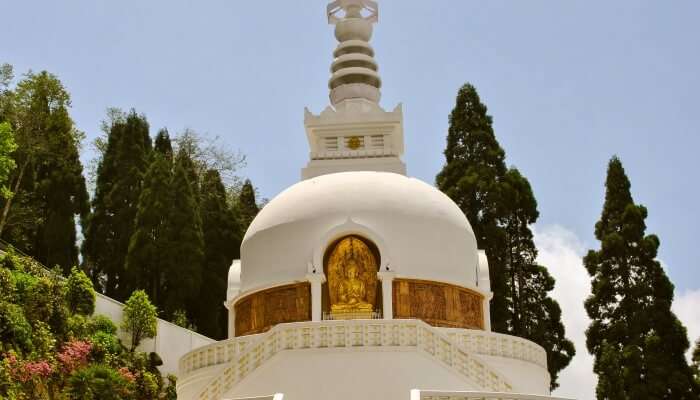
171 341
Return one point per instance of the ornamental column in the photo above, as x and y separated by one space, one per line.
387 279
316 281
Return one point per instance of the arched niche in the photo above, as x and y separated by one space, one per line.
365 255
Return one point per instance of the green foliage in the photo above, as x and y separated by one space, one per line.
246 206
80 293
84 359
180 319
162 145
183 281
140 318
637 341
48 185
500 205
147 260
97 382
7 163
115 203
15 330
222 240
696 361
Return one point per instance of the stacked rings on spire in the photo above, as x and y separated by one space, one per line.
354 72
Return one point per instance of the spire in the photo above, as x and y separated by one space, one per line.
354 133
354 70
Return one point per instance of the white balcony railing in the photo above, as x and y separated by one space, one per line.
349 334
441 395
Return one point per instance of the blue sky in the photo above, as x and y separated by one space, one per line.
569 84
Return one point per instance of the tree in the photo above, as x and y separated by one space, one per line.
140 318
7 163
80 294
48 184
183 281
163 145
148 260
696 361
533 314
500 205
637 342
475 163
111 225
246 206
222 240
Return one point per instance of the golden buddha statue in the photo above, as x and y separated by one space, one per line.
352 279
351 292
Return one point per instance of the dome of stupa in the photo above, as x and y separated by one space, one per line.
418 231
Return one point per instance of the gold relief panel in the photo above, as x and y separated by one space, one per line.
260 311
438 304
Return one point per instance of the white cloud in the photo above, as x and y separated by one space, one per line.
561 251
687 309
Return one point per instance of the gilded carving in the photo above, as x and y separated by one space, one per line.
260 311
352 278
438 304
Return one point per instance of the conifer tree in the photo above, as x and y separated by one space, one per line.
147 260
637 341
475 163
246 206
48 183
222 241
186 254
696 361
500 205
163 144
119 176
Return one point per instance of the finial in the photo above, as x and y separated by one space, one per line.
353 9
354 70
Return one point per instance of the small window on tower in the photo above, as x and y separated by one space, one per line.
377 141
330 143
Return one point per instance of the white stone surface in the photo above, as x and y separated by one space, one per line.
295 358
171 341
419 231
378 135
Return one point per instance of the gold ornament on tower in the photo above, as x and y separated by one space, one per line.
352 279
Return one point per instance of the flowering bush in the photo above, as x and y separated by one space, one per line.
74 355
48 354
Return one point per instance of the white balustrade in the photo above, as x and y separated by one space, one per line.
241 357
440 395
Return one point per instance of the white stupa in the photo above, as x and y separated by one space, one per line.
360 282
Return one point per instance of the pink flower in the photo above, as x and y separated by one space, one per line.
74 354
36 369
126 374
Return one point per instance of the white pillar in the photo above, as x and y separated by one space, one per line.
231 323
487 312
316 281
387 278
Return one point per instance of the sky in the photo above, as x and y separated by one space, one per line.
568 83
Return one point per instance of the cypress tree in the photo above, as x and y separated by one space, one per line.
186 254
246 206
500 205
147 260
637 341
222 241
119 176
163 144
696 361
475 163
533 314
